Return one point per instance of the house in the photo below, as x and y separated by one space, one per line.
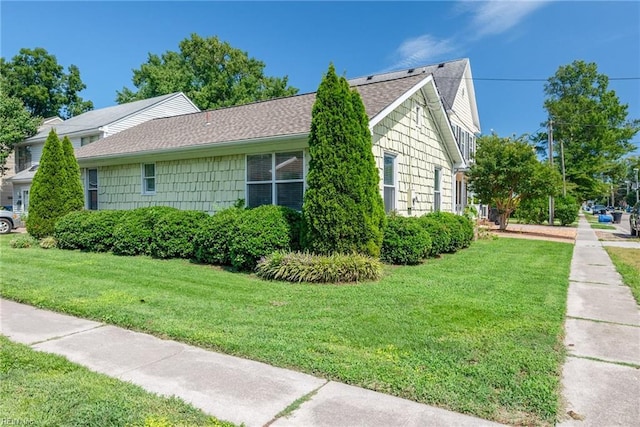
454 81
83 129
258 152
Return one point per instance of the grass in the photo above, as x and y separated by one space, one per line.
627 262
478 332
44 389
593 222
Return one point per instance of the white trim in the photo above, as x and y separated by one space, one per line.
391 107
143 188
394 157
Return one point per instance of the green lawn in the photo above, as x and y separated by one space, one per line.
593 221
627 262
43 389
478 332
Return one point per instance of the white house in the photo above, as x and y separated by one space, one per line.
83 130
259 152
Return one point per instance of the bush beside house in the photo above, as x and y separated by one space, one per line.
266 237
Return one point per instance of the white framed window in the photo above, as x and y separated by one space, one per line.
389 182
149 178
275 179
23 158
437 189
86 140
92 189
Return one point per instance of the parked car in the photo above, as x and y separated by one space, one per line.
8 221
599 210
634 220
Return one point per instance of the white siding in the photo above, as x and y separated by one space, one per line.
175 106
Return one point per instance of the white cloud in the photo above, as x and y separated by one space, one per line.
422 50
498 16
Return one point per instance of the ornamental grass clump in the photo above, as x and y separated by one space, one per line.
306 267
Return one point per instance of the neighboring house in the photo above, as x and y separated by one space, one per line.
83 130
259 152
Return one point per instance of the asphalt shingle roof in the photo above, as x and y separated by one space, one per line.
96 118
273 118
447 76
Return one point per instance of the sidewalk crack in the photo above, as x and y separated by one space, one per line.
68 335
602 321
296 404
611 362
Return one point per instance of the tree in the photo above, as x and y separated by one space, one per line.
16 124
46 195
506 171
35 77
343 211
73 193
210 72
591 129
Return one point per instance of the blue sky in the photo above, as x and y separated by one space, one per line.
503 39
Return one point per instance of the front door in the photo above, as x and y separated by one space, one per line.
25 201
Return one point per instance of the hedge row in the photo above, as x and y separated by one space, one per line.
409 240
241 237
235 237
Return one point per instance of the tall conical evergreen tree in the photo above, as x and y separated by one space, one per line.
73 193
341 210
46 196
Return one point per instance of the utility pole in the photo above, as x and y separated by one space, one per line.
637 189
550 135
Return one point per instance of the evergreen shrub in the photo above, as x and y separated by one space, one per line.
406 241
533 211
343 210
306 267
87 230
46 201
566 209
211 240
257 233
133 233
173 233
438 232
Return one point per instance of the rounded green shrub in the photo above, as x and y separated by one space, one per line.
533 211
566 209
133 233
257 233
438 232
306 267
211 240
87 230
467 229
405 241
173 232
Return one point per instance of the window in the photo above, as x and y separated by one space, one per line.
23 158
92 189
389 182
276 178
437 196
86 140
149 178
419 116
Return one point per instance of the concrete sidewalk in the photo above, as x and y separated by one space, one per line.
227 387
601 375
